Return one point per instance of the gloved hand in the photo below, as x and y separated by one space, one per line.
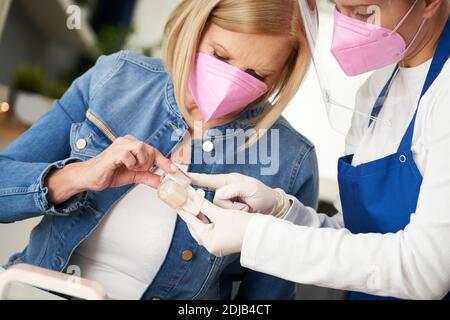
236 191
225 233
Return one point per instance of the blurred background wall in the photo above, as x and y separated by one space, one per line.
40 57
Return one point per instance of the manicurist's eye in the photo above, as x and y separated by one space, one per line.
362 14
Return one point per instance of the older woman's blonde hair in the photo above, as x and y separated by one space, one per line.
188 21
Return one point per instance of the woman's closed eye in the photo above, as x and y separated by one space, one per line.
219 57
256 75
251 72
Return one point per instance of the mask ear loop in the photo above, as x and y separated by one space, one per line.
404 18
422 24
416 36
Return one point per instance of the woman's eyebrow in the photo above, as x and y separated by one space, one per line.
267 72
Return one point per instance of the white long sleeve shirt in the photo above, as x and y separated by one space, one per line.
312 248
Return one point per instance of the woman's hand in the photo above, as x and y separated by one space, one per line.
236 191
126 161
225 233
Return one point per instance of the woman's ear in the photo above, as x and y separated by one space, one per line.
431 7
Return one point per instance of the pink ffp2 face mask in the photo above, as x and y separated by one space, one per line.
220 89
360 47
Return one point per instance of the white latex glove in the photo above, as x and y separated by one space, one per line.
225 234
236 191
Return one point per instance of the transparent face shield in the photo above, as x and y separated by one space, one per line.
345 49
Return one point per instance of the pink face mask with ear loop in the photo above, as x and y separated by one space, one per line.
360 47
220 89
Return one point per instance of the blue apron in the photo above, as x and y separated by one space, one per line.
380 196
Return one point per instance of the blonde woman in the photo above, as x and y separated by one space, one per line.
85 166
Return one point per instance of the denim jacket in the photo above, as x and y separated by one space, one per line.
123 94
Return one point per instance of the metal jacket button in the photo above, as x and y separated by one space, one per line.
187 255
81 144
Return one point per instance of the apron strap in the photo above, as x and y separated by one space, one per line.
440 59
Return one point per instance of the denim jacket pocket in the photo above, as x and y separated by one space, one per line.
87 141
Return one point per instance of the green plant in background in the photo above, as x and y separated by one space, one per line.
149 51
56 90
31 79
112 38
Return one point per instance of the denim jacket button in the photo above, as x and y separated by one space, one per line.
208 146
178 132
81 144
187 255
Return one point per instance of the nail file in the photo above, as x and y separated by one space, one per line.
176 191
